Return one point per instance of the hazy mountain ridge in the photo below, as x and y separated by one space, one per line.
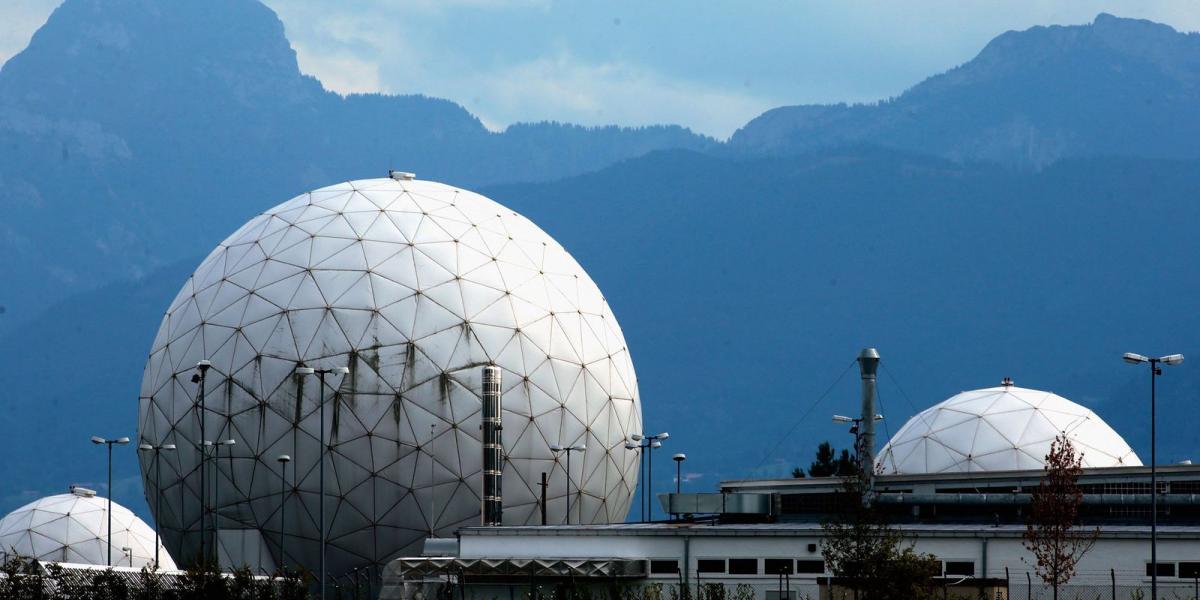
140 131
745 286
745 275
1115 87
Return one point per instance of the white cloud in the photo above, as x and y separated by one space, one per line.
564 88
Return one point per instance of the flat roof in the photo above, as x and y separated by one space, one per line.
973 530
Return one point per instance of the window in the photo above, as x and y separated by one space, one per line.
810 566
775 566
743 566
1189 570
710 565
960 567
1164 569
664 566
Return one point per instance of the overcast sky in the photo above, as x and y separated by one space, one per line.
708 64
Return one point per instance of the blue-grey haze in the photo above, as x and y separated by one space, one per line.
1029 214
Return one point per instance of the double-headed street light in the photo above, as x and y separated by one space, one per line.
859 440
122 441
1155 371
216 486
647 443
568 450
321 373
158 491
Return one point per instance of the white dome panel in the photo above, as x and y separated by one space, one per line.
1000 429
413 285
74 528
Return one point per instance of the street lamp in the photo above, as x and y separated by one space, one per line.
856 431
568 450
158 491
678 458
321 373
283 460
637 447
216 486
1155 371
122 441
199 377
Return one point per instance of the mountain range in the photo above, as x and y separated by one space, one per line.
1026 214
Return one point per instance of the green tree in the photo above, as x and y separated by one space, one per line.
1052 533
826 464
861 548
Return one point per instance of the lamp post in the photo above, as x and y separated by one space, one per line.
122 441
647 443
216 488
859 439
678 458
321 373
1155 371
636 446
283 460
199 377
568 450
158 491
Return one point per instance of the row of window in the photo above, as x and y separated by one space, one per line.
789 566
744 566
1183 570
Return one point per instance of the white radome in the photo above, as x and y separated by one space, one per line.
74 528
415 286
1003 428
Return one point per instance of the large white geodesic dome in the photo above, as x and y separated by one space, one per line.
1002 428
74 528
414 286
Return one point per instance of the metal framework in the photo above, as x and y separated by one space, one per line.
414 286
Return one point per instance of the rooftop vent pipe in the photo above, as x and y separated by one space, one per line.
493 449
868 364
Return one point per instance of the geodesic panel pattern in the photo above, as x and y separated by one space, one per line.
73 528
1000 429
414 286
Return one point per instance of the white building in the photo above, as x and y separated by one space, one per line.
956 480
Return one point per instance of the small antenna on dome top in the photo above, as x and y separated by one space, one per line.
401 175
1007 382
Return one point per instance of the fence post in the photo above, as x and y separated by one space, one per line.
1029 586
1196 588
1112 573
1007 585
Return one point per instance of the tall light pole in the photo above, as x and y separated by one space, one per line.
678 458
216 488
158 491
122 441
1155 371
321 373
199 378
636 446
283 460
568 450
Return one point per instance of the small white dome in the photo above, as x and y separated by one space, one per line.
1003 428
74 528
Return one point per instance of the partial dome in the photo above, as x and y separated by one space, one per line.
414 286
74 528
1003 428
